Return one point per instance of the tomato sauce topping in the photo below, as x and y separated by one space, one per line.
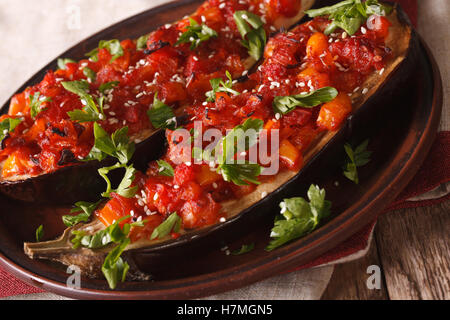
301 60
180 76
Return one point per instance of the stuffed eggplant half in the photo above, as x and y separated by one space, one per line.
311 79
53 135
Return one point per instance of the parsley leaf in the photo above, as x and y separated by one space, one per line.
118 145
349 15
124 189
86 209
114 233
90 74
195 34
165 168
141 43
39 233
171 224
284 105
36 104
299 217
114 268
8 125
218 85
356 158
63 61
113 46
244 249
240 174
240 139
107 86
91 112
254 36
161 115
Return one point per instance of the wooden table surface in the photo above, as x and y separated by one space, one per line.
411 247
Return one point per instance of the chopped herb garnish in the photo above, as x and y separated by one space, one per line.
90 74
107 86
244 249
218 85
299 217
113 46
356 158
85 209
161 115
114 268
142 42
39 233
171 224
118 145
195 34
241 174
91 112
238 140
284 105
349 15
251 28
36 104
62 63
8 125
124 189
114 233
165 169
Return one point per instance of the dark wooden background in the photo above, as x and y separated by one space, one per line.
411 247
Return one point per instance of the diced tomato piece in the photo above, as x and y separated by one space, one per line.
150 223
378 24
199 213
183 174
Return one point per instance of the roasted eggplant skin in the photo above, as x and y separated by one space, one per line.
150 258
80 181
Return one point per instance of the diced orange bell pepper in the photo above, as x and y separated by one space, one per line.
290 155
333 113
205 176
317 44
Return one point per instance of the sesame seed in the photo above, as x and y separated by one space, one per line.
222 219
263 194
365 90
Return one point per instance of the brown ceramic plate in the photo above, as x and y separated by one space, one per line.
410 118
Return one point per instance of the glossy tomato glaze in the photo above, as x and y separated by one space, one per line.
179 75
301 60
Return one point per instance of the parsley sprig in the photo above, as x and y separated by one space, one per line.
118 145
286 104
171 224
8 125
161 115
36 101
84 209
218 85
356 158
113 46
91 111
114 268
349 15
299 217
124 189
238 140
195 34
252 31
165 169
